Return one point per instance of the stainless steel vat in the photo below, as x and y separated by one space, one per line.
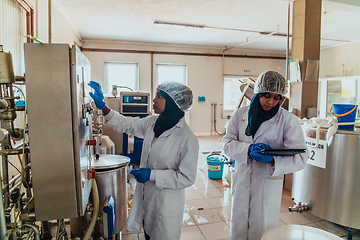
111 180
333 192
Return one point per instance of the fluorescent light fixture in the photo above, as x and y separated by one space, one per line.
179 24
274 34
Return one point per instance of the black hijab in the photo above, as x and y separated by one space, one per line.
257 115
169 118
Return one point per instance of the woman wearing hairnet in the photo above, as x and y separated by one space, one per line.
257 179
168 160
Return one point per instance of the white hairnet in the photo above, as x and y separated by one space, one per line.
180 93
270 82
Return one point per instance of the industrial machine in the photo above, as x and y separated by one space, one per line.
133 104
59 167
12 200
329 187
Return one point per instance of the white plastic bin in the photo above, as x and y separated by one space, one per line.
298 232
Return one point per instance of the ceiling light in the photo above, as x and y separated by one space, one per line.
274 34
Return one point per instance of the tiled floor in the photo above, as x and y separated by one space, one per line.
208 206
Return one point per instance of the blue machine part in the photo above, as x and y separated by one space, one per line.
109 216
135 156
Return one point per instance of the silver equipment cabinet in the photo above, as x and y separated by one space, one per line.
59 122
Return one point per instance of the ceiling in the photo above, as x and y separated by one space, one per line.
223 22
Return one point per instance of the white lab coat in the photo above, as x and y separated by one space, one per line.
257 187
172 157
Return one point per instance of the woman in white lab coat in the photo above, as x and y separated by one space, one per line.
168 161
257 179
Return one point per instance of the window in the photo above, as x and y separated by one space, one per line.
232 92
121 74
171 73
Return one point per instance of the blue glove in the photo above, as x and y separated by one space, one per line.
257 147
255 152
258 157
142 175
97 95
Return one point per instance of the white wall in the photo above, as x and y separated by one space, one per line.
340 61
205 74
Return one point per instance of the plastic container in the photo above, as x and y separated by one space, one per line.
298 232
215 166
344 113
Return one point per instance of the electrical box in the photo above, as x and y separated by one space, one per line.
60 125
135 104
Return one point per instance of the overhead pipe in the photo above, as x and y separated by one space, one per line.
247 42
178 53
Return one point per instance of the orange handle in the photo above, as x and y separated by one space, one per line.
343 114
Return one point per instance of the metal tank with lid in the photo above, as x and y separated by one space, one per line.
111 179
332 192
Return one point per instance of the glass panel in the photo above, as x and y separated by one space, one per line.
121 74
232 92
171 73
341 91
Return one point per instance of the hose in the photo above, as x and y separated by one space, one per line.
94 217
34 229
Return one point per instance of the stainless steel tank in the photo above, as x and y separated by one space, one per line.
111 179
333 192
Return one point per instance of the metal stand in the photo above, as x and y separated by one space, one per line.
352 231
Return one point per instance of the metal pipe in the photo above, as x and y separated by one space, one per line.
178 53
13 151
215 120
27 175
287 44
2 217
34 229
152 76
14 187
14 179
19 79
211 114
5 175
49 19
298 208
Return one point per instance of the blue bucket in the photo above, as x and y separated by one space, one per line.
215 166
344 113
